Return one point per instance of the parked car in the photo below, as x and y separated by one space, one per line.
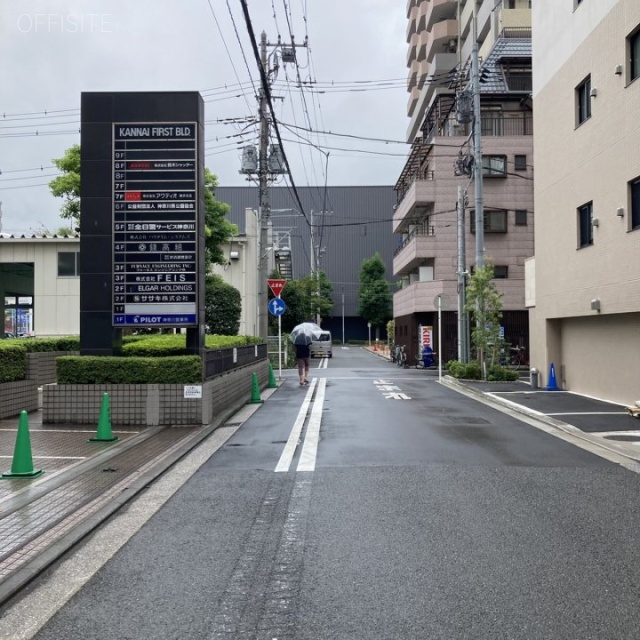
8 334
323 346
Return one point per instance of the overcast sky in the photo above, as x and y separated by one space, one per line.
353 72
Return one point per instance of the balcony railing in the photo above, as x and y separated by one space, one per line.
423 231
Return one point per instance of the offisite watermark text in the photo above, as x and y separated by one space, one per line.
64 23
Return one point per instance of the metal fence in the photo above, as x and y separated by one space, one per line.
217 361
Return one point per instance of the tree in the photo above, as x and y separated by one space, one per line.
484 302
218 229
375 300
302 301
68 184
222 307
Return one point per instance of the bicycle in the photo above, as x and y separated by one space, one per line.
433 356
400 356
517 357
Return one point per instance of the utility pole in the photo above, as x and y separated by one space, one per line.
463 345
264 204
477 145
265 165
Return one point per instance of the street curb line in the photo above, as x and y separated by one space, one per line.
532 415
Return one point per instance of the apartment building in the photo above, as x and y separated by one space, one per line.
440 36
583 286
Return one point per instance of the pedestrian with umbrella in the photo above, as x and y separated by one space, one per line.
302 336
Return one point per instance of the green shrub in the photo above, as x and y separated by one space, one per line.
37 345
115 370
13 361
497 373
460 370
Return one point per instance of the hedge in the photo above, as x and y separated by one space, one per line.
116 370
13 361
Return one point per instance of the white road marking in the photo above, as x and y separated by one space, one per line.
309 452
290 448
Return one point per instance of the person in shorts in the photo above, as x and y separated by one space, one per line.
302 358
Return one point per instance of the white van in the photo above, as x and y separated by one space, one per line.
323 346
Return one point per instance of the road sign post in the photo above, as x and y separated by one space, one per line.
276 308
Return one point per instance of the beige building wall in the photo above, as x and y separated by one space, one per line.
597 351
56 300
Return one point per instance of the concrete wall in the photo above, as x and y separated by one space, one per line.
151 405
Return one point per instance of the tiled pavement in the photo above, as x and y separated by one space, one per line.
84 482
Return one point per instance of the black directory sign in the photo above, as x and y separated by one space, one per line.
155 231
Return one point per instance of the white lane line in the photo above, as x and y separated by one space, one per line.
309 452
290 448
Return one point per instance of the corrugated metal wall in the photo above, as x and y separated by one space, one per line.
357 223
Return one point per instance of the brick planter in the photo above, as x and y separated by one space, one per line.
154 404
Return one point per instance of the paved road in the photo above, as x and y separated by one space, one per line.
375 503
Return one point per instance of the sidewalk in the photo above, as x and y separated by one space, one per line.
82 485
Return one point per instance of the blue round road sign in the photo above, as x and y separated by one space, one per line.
276 306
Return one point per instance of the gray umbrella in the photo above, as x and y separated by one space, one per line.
305 333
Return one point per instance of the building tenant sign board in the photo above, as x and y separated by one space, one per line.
155 231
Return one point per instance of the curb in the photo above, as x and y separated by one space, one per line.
567 430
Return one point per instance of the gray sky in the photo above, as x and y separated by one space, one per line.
52 51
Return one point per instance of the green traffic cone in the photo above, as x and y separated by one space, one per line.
22 465
103 433
255 391
272 378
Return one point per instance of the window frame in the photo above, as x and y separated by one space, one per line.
583 101
501 272
76 264
491 172
634 204
633 43
520 162
490 216
584 220
518 219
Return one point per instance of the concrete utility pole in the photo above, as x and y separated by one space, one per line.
463 345
264 204
477 145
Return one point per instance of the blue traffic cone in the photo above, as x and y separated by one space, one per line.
552 385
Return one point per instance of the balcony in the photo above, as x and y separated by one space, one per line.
441 36
413 250
412 22
418 296
440 10
417 200
412 50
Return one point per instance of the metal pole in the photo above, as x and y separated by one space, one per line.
264 198
439 338
280 347
477 146
343 316
461 262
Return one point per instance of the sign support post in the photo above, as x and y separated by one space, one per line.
278 309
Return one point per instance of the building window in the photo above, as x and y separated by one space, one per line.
494 221
501 272
583 101
635 203
494 166
520 163
585 225
521 217
68 264
634 55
